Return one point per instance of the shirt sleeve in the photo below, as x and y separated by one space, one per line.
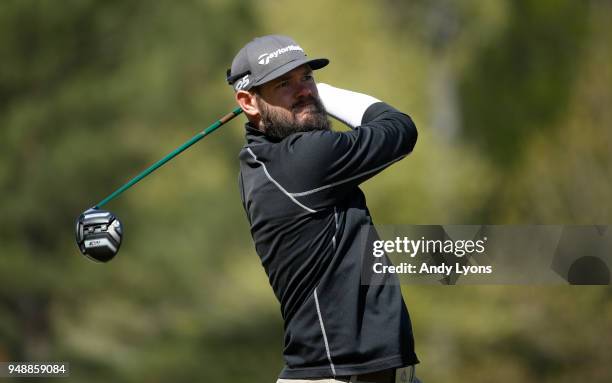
323 166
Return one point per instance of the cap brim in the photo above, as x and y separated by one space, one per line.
313 63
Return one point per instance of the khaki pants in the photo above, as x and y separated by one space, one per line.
402 375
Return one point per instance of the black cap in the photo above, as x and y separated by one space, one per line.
266 58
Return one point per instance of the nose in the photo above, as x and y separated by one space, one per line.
303 90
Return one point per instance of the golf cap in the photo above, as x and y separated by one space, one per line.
266 58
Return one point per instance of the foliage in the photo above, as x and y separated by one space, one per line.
512 101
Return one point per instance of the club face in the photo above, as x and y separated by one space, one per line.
99 234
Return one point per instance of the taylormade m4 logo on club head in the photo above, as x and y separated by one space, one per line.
264 59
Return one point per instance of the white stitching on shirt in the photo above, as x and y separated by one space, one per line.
331 364
335 227
277 184
301 194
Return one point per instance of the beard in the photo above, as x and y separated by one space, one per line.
306 115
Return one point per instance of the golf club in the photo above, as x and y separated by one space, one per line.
99 232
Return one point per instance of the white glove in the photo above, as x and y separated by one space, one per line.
344 105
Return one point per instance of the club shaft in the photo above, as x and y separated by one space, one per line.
170 156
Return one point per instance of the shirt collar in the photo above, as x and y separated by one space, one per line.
256 136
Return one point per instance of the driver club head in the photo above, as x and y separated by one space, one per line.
98 234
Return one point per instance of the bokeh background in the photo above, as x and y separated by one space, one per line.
513 101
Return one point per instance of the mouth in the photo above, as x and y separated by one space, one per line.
307 107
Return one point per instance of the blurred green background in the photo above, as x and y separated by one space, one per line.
513 101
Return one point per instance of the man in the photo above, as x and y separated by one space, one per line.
299 187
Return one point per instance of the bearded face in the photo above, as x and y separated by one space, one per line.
305 115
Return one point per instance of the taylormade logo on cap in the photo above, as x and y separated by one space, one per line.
264 59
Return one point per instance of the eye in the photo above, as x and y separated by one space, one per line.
308 77
282 84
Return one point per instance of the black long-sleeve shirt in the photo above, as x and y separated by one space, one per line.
307 217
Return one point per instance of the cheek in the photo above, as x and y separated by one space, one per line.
283 97
278 111
286 100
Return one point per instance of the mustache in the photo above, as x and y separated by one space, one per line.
310 100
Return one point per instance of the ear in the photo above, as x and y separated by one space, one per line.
247 102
